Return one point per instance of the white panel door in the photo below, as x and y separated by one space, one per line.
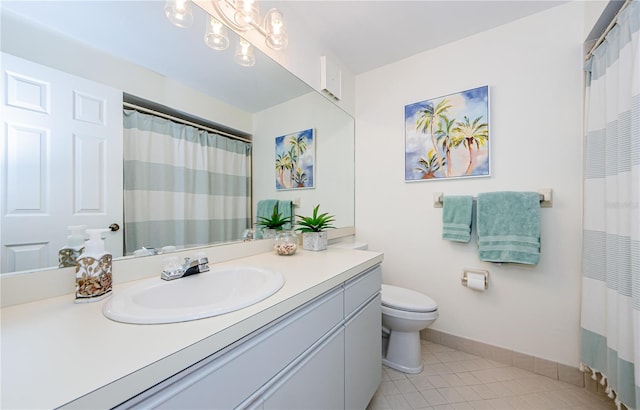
61 162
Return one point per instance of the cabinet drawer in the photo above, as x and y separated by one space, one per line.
317 382
359 289
224 381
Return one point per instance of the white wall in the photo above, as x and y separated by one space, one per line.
334 182
533 70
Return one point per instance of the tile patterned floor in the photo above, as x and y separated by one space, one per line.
456 380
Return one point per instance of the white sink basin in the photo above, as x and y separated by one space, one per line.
194 297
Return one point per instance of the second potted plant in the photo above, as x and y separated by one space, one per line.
313 228
273 223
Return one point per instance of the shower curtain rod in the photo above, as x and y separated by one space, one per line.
183 121
607 30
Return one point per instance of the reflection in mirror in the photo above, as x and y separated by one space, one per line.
185 184
132 48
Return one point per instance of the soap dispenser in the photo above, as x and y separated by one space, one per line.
93 269
69 253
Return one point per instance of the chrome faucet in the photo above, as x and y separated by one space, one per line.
190 267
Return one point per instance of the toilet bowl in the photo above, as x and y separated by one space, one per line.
405 313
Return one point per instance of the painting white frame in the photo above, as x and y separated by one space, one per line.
448 137
295 160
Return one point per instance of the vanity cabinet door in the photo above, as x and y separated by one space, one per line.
363 327
227 378
316 382
363 354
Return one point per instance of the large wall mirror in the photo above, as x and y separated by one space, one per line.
131 47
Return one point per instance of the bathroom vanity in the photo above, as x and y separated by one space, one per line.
321 355
313 344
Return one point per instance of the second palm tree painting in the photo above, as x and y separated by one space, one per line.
295 160
448 137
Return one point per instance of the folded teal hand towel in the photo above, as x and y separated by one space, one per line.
456 218
265 210
286 209
508 225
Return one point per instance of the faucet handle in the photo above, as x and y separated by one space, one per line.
172 269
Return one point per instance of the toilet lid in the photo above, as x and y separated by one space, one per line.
407 299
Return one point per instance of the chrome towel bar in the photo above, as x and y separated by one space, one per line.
546 198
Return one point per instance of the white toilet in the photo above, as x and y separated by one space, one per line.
405 313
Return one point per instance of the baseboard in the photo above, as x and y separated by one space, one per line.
547 368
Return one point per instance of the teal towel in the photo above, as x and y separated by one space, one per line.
508 225
456 218
265 209
286 209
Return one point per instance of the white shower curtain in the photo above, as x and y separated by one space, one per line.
610 319
182 186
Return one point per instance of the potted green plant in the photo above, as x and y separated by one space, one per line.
272 223
313 228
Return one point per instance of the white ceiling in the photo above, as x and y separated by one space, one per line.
366 34
362 34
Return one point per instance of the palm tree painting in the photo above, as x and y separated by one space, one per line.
448 137
295 160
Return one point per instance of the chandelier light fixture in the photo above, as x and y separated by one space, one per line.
244 53
242 16
179 13
216 35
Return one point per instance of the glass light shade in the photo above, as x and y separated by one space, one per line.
216 35
247 13
244 54
276 35
179 12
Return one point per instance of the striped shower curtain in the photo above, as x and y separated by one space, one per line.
610 319
183 187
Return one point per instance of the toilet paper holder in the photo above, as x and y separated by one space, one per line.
476 274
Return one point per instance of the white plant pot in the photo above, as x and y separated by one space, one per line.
268 233
315 241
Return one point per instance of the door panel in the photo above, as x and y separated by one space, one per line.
61 162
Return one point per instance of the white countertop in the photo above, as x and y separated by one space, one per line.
56 353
